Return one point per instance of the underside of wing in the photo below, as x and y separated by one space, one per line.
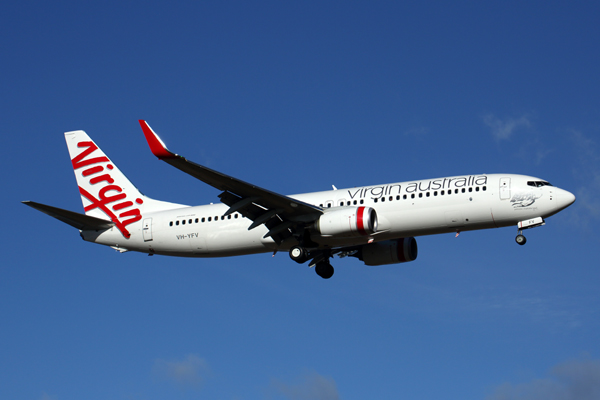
282 215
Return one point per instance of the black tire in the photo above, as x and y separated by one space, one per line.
521 240
324 270
299 254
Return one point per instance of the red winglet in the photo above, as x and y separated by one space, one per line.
157 146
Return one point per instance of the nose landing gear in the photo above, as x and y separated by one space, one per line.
527 224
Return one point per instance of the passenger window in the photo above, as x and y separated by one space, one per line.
470 189
183 222
412 196
435 193
392 198
427 194
171 223
362 201
176 222
477 189
209 219
484 188
404 197
235 216
463 190
190 221
398 197
442 193
203 219
382 199
420 194
196 220
229 216
375 200
354 202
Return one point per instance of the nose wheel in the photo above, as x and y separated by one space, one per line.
520 239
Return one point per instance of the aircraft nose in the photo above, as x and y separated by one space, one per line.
565 198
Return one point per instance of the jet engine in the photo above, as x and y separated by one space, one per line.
347 222
389 252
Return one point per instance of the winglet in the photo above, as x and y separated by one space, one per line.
157 146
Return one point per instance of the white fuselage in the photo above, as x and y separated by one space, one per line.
404 209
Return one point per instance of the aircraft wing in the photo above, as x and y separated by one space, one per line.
281 214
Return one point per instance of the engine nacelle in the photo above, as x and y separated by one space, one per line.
389 252
347 222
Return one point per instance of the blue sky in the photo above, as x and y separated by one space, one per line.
295 98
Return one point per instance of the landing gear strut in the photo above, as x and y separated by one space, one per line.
324 269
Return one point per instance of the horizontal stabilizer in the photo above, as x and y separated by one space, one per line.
76 220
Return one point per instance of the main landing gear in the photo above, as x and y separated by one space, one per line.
322 266
324 269
299 254
520 239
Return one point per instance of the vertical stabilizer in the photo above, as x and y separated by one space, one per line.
105 192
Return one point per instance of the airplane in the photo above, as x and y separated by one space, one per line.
376 224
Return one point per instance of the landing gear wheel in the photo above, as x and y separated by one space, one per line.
520 239
299 254
324 270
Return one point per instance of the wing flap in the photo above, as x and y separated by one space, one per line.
256 213
76 220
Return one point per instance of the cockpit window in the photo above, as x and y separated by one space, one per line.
538 183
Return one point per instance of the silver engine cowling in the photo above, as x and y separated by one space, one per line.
347 222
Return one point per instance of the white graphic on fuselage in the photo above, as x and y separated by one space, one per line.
520 200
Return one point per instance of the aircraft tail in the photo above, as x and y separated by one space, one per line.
105 192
